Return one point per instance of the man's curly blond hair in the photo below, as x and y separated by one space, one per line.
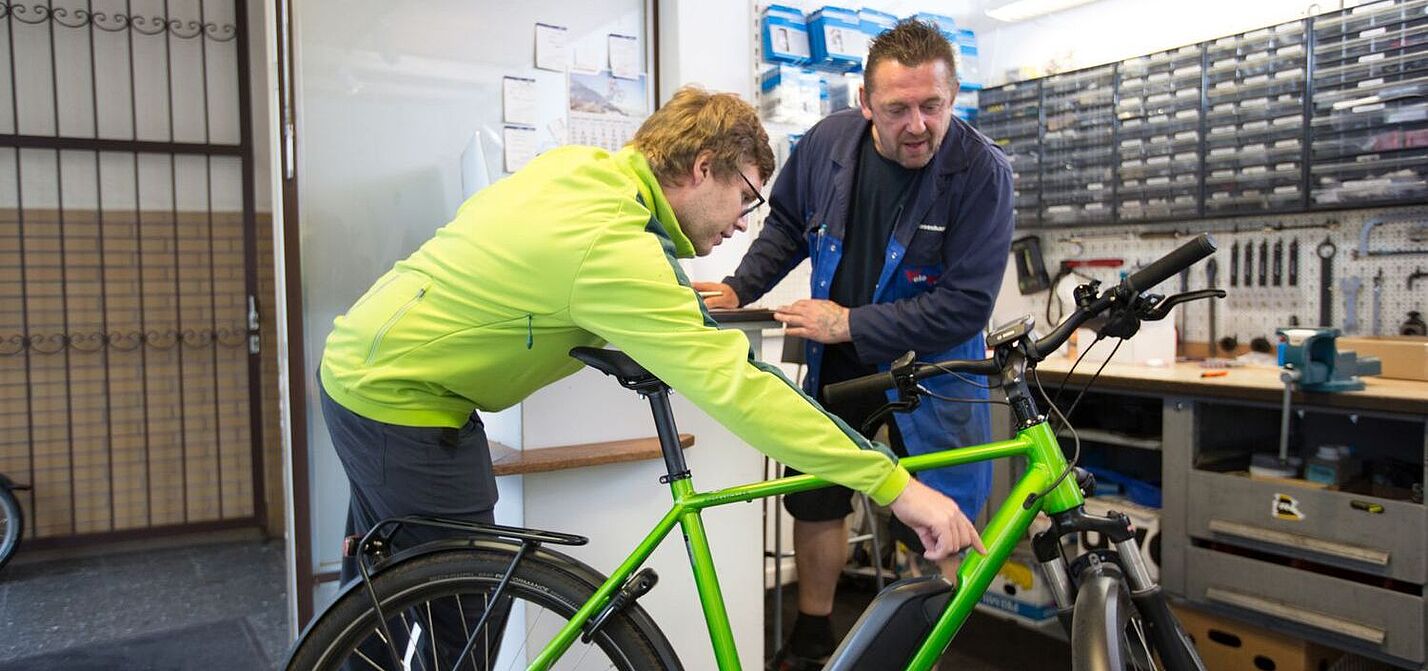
696 120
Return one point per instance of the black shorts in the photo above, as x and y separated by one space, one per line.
835 502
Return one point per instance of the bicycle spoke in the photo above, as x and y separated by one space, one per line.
525 641
486 599
368 660
466 634
1139 628
412 645
583 655
431 635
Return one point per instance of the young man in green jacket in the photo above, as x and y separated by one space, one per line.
578 248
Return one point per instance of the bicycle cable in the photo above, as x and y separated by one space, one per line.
1061 386
928 392
955 374
1075 437
1081 394
1065 422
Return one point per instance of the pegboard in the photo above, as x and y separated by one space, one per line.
1246 312
1251 311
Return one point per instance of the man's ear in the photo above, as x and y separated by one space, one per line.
864 103
702 168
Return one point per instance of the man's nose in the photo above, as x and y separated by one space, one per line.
918 124
742 224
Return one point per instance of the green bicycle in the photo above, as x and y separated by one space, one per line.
438 605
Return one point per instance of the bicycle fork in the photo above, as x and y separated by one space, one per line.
1147 595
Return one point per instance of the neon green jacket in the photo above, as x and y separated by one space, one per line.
578 248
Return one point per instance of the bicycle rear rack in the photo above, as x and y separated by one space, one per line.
376 545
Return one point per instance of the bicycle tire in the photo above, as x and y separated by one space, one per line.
629 640
1107 631
12 525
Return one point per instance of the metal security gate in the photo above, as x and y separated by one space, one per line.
128 331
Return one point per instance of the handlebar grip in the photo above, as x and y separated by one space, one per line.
1164 267
840 393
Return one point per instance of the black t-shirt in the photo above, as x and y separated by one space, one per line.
880 190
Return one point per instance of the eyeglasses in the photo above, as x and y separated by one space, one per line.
758 197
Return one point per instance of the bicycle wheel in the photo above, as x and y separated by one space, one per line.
12 525
1107 631
434 601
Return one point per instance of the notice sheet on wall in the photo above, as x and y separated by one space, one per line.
518 100
521 143
552 51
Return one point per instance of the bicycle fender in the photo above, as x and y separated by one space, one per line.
576 568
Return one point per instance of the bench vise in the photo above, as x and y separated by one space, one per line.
1312 361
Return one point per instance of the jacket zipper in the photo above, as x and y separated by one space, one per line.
382 332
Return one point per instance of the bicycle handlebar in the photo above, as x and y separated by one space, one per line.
1158 271
1162 268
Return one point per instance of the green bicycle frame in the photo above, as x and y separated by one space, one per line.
1045 463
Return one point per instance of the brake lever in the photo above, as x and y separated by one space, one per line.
904 371
1162 308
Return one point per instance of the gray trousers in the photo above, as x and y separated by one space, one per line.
408 470
405 470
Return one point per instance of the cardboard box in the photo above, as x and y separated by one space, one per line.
1403 357
1020 590
1225 644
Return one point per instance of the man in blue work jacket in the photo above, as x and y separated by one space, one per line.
906 215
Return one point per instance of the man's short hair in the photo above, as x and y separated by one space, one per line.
696 120
911 42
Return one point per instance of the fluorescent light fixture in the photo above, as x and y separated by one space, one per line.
1021 10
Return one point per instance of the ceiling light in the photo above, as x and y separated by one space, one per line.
1021 10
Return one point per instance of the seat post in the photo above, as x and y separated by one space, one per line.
668 432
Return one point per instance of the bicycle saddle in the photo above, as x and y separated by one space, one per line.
617 364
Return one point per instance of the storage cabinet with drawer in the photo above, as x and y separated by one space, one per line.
1343 564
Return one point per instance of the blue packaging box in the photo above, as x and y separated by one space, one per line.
785 35
836 39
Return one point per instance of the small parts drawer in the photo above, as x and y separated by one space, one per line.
1351 615
1361 533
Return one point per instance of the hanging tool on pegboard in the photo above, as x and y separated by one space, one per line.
1378 303
1418 233
1277 272
1326 251
1249 264
1263 263
1418 273
1212 269
1235 264
1294 262
1350 287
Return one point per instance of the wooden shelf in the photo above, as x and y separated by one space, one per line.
508 461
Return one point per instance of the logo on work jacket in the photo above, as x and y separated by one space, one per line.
920 276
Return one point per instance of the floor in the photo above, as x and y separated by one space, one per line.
83 613
222 607
128 611
985 643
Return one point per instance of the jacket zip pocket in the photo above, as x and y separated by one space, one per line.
382 332
374 291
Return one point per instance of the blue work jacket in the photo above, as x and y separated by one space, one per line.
940 276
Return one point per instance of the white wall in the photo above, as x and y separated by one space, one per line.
1111 30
